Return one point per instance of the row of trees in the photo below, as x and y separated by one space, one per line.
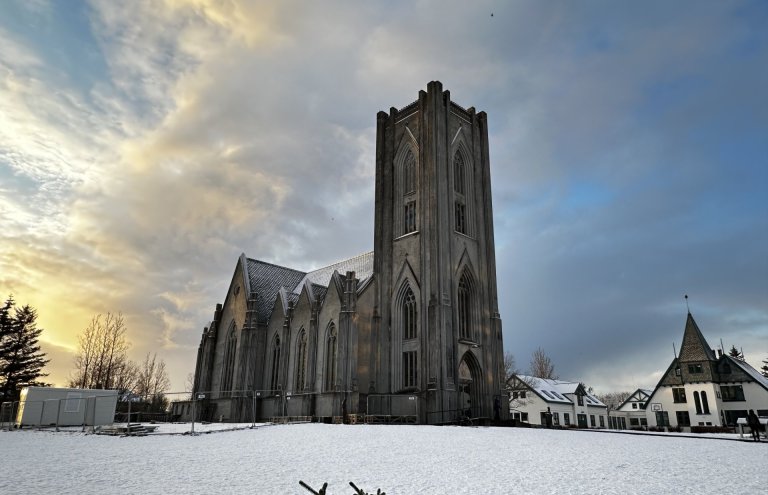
21 360
102 362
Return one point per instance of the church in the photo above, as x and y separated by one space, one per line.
409 332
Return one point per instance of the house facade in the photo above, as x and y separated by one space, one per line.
409 331
704 388
535 400
631 413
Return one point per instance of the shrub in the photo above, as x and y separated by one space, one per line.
712 429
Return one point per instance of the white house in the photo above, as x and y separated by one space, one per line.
701 388
531 399
631 413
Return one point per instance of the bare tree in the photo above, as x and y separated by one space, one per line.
541 365
613 399
152 382
510 366
101 360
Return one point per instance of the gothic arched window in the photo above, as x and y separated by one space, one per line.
406 195
301 361
331 350
409 174
274 383
704 403
458 173
228 365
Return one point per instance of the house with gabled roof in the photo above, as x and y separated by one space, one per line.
631 413
705 388
535 400
407 332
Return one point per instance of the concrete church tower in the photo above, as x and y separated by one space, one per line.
438 326
407 333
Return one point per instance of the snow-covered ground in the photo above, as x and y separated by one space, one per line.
396 459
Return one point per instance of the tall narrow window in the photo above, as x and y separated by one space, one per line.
461 217
301 362
409 315
228 365
331 348
410 217
458 173
410 373
704 402
464 300
274 384
409 174
697 402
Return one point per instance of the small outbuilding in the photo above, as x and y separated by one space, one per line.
48 406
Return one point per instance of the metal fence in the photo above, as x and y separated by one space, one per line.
186 412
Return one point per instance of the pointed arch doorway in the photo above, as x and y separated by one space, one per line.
469 386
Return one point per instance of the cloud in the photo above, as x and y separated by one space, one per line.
220 128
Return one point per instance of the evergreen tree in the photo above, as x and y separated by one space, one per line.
735 353
21 359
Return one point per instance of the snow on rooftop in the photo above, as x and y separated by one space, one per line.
556 390
361 264
396 459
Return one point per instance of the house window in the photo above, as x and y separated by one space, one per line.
524 417
602 421
301 361
274 384
556 419
697 402
522 394
634 405
331 350
410 217
567 419
677 371
634 422
662 418
461 217
410 374
678 395
732 393
695 368
592 420
683 418
409 315
704 402
580 399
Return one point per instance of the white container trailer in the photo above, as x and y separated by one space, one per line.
48 406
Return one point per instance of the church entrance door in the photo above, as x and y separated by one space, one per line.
469 398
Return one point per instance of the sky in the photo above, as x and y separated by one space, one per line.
145 145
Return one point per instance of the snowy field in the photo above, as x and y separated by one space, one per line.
396 459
